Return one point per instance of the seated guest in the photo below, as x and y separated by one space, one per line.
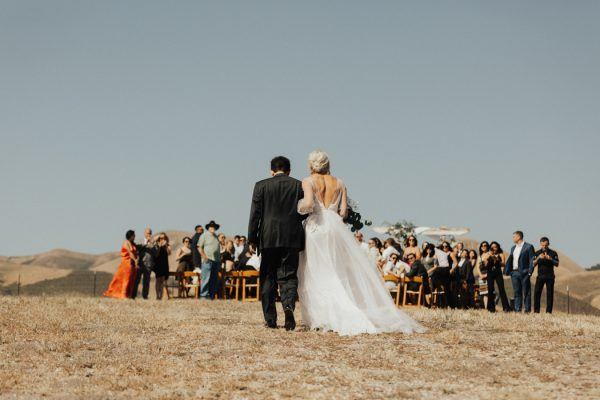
254 260
228 256
467 280
411 246
249 260
416 268
184 258
545 260
395 267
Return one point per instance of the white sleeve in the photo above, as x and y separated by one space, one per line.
307 204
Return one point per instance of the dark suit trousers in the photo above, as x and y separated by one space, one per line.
537 293
495 277
522 288
279 266
142 274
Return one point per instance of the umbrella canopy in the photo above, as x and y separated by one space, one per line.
442 231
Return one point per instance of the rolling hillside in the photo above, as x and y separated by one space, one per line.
63 271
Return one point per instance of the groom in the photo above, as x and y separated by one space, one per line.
276 228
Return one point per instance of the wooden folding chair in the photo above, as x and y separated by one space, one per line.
250 281
232 284
395 293
418 292
170 285
187 283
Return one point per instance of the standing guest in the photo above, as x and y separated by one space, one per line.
121 286
238 247
390 247
454 273
480 283
492 262
467 280
519 267
360 239
440 274
161 270
429 261
481 271
228 256
210 251
545 260
411 246
147 254
375 247
196 259
222 240
184 259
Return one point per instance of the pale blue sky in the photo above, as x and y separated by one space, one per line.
122 114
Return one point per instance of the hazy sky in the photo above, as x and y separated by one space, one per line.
122 114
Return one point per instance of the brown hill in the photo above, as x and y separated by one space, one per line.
58 258
29 274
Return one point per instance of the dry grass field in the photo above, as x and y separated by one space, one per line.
70 347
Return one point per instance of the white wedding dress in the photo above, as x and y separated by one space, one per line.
339 288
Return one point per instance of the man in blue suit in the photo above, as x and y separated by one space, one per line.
519 267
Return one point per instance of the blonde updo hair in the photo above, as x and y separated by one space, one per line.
318 162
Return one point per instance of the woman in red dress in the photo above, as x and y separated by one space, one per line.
122 283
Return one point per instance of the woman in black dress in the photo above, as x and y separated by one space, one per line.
184 257
161 268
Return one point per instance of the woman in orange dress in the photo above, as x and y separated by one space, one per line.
122 283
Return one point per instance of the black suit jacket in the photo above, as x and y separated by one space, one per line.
195 253
417 269
466 272
274 219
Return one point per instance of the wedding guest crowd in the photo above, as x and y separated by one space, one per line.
459 277
469 278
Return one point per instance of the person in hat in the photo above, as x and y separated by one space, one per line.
210 253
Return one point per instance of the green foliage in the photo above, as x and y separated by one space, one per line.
401 230
594 267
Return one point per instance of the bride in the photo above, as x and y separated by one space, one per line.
339 288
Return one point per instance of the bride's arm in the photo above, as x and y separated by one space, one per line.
344 202
306 205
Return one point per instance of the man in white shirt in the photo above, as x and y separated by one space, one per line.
519 266
238 247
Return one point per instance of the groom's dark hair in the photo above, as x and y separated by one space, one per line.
280 163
